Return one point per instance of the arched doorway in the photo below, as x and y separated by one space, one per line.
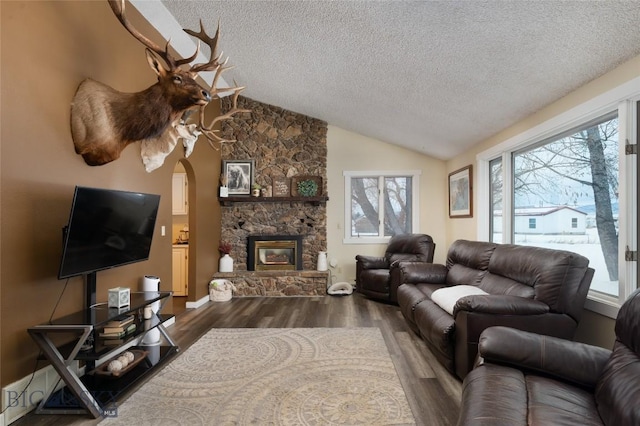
181 248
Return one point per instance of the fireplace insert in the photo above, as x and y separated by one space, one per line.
274 252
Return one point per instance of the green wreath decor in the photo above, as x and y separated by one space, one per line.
307 188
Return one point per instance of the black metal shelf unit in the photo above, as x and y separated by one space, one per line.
93 393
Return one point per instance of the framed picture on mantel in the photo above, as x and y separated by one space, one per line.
239 175
281 187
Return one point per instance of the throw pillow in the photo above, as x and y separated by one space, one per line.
447 297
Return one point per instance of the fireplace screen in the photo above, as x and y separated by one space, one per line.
274 253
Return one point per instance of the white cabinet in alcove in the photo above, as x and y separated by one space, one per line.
180 266
179 200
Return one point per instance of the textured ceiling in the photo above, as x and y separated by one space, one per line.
433 76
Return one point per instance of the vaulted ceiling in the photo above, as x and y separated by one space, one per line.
434 76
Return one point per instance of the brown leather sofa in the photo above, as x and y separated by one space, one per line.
530 379
529 288
378 278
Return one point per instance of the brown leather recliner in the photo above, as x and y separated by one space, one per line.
378 278
531 379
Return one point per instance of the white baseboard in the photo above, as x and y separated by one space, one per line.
19 403
169 322
197 303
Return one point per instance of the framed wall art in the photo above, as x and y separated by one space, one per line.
461 193
306 186
281 187
239 174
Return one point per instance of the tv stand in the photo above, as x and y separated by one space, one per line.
93 393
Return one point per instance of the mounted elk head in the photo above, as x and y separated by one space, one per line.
104 121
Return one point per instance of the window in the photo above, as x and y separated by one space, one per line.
575 171
567 184
380 205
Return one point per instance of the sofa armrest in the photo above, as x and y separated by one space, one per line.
493 395
500 305
419 272
575 362
372 262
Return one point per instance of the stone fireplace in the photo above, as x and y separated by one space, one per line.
283 144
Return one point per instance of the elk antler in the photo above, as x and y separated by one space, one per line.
118 9
208 131
214 64
212 42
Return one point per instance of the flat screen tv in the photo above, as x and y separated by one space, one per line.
107 228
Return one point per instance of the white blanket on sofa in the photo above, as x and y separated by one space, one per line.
447 297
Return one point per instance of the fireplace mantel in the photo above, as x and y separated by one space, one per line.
316 201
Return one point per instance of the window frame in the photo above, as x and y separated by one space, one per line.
415 213
623 98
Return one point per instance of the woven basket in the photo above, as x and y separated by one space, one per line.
221 290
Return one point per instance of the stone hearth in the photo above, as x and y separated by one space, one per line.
277 283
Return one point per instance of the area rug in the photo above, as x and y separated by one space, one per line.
302 376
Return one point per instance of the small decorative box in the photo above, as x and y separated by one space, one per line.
119 297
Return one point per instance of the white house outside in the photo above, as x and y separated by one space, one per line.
550 220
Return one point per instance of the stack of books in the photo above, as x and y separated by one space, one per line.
114 331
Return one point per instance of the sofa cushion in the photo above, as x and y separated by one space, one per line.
447 297
553 275
552 402
498 395
437 329
474 254
464 275
497 284
467 261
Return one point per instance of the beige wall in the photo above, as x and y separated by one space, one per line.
47 49
349 151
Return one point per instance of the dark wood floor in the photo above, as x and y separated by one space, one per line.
433 393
